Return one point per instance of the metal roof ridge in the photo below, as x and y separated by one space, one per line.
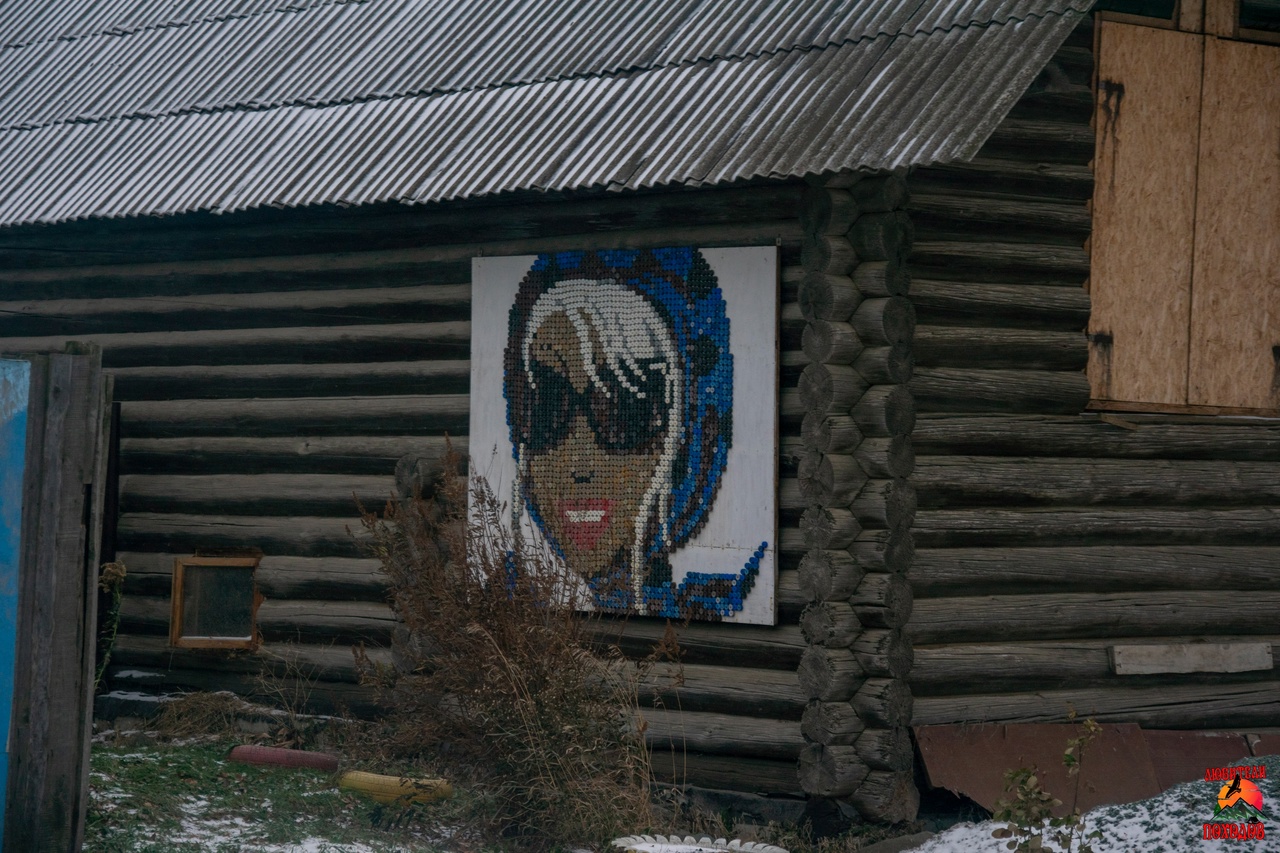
621 72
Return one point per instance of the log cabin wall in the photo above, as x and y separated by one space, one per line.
272 364
1046 534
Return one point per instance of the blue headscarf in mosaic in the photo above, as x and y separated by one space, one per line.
682 287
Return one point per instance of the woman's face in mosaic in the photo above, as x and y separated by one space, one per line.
594 450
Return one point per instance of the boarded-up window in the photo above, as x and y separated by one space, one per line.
1186 245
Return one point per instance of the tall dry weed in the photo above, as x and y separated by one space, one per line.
500 676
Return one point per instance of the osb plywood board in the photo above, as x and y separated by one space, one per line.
1235 311
1147 117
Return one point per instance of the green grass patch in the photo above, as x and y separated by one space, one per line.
157 797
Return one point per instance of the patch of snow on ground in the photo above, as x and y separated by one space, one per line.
1170 823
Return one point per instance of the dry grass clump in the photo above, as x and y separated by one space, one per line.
200 715
499 675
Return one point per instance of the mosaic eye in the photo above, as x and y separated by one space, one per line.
551 408
626 421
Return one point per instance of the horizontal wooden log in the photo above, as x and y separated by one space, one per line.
989 348
1006 176
298 536
343 454
327 662
1067 526
791 323
422 234
1089 436
829 528
830 623
33 317
829 575
884 322
938 303
312 415
938 389
827 211
885 749
254 494
995 618
888 504
831 771
883 702
829 297
885 653
949 216
1046 664
954 481
890 551
344 578
292 380
885 410
882 236
886 458
316 697
885 365
1100 568
722 734
831 723
999 261
1067 141
830 479
827 254
882 601
824 433
831 342
829 675
882 278
281 621
773 647
365 342
887 796
736 689
733 773
1183 706
879 193
831 388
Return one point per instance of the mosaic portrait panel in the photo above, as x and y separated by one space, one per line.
624 408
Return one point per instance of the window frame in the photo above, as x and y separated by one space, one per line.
177 639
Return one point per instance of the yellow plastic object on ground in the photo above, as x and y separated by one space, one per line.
393 789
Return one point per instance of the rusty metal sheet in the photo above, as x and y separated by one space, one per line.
1184 756
1265 743
971 760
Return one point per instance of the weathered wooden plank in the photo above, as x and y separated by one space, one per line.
722 734
940 389
737 689
316 697
733 773
949 259
1154 659
341 454
299 536
1102 568
282 621
255 494
330 662
1061 141
944 216
1092 437
959 528
778 647
1018 349
992 618
293 380
180 312
313 415
958 668
943 303
344 578
954 481
360 342
1185 706
1018 177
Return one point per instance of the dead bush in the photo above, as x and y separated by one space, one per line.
499 674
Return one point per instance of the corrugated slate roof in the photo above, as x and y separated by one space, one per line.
121 107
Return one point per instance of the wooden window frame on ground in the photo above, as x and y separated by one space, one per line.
176 636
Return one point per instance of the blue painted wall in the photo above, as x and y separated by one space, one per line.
15 385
